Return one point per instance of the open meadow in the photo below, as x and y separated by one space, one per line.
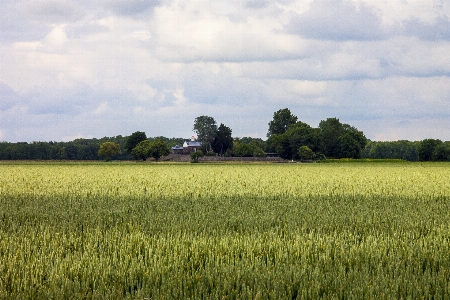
224 231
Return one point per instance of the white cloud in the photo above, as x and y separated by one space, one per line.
155 66
190 31
101 109
337 20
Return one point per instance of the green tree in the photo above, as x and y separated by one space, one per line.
243 150
282 119
396 149
142 150
281 145
258 152
341 140
196 155
426 149
146 149
301 134
206 128
442 152
223 140
134 139
357 135
305 153
349 147
158 149
108 149
331 130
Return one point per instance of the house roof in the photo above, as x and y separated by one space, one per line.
193 144
176 147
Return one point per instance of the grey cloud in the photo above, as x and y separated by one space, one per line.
257 4
15 24
52 11
8 97
215 89
74 101
337 20
130 7
75 31
32 20
440 30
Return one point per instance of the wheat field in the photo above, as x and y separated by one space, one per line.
224 231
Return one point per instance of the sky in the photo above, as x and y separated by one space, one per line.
89 69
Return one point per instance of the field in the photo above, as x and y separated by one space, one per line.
224 231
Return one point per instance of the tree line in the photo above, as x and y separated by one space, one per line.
287 137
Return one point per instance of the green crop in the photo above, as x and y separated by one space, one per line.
240 231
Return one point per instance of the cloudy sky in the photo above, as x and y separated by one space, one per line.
71 69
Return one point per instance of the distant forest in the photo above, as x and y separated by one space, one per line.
287 137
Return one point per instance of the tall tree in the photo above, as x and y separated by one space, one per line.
134 139
223 140
206 128
331 130
357 135
108 149
282 119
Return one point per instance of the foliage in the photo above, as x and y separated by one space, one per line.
196 155
108 149
331 129
397 150
349 147
426 149
297 135
146 149
282 119
206 128
279 143
305 153
441 152
258 152
170 142
142 150
250 140
242 231
341 140
79 149
158 148
134 139
247 147
222 140
332 138
243 150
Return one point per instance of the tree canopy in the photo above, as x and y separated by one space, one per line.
426 149
286 135
341 140
205 127
146 149
222 140
134 139
108 149
282 119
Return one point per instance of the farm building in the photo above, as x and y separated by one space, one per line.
177 149
188 147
